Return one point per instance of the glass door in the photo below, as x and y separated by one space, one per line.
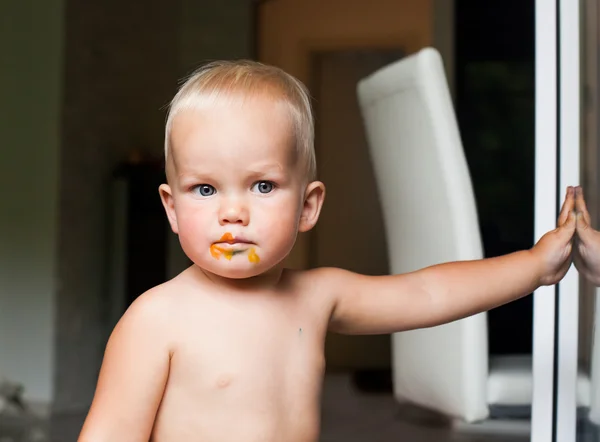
588 422
578 361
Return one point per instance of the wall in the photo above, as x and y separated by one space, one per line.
30 94
291 30
123 63
443 36
120 69
215 29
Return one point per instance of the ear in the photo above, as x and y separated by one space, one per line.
313 202
166 196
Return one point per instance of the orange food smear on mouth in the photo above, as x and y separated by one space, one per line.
216 251
253 257
227 237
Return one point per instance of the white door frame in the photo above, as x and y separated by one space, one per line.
569 148
545 206
557 133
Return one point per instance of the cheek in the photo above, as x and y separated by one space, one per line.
278 221
192 221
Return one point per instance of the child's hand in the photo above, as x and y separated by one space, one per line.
555 247
587 242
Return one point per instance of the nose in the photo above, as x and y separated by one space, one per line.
233 211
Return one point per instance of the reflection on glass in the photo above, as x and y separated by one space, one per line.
496 117
588 398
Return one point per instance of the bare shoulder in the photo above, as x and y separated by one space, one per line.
149 316
323 283
151 305
324 278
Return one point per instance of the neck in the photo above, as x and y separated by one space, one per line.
262 283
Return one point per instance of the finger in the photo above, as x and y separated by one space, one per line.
582 223
585 233
567 206
580 205
567 230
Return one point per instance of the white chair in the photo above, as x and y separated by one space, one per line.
430 217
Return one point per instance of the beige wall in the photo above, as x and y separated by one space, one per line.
290 30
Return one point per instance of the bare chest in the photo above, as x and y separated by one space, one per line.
234 352
265 356
263 373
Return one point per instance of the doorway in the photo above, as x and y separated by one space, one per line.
350 233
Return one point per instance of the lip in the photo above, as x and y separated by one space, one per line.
234 241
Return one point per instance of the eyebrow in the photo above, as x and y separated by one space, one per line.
254 170
260 169
195 175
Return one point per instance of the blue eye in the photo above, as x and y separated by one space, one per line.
264 186
206 190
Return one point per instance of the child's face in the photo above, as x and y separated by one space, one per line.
235 196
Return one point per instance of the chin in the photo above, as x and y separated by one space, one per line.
238 273
232 270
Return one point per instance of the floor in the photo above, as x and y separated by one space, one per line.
13 429
348 416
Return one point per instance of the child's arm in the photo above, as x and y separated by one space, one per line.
446 292
133 376
587 242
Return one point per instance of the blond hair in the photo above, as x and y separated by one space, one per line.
232 79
